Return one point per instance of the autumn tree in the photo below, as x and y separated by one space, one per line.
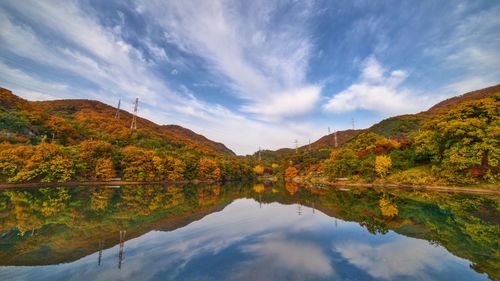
382 165
48 163
138 164
291 172
169 168
208 169
342 163
258 169
464 143
104 169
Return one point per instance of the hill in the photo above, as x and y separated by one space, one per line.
82 140
399 127
72 121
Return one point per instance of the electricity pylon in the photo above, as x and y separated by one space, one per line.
133 125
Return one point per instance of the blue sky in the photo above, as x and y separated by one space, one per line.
252 73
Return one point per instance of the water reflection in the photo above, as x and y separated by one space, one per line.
246 232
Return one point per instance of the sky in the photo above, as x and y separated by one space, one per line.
252 74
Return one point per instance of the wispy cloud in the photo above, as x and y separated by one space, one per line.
251 74
264 59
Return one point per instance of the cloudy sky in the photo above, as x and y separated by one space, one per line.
252 73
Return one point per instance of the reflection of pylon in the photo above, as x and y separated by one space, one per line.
101 245
299 209
122 245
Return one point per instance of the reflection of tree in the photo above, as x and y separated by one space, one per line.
30 210
374 226
99 199
388 208
292 187
54 200
207 195
258 188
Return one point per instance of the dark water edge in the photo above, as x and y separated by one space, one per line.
246 231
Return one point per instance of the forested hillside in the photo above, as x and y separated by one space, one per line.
68 140
457 141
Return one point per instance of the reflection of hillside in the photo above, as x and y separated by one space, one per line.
62 225
72 233
466 225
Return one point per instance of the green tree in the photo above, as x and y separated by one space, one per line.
342 163
464 143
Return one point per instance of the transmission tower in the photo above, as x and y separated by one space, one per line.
296 146
353 127
335 138
309 145
133 126
117 114
259 154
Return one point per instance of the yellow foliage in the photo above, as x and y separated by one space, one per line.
259 188
258 170
388 208
382 165
291 172
208 169
104 169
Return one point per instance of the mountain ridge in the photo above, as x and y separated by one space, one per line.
64 111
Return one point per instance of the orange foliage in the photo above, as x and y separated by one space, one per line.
291 172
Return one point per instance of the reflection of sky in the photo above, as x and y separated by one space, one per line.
245 242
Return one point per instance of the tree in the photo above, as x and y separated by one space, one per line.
104 169
291 172
464 143
208 169
48 163
382 165
342 163
258 169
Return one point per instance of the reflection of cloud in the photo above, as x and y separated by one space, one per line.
409 257
276 256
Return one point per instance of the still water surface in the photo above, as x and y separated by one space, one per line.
246 232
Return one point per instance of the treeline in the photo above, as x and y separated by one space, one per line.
99 160
460 146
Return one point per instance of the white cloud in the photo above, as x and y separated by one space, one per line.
379 90
99 55
394 260
263 62
296 101
276 252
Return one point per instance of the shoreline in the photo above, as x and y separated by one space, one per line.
418 187
391 186
97 183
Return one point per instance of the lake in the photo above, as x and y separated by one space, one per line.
246 232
